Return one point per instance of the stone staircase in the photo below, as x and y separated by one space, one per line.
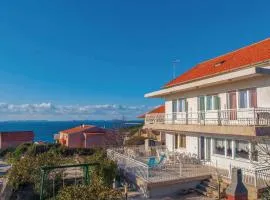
209 188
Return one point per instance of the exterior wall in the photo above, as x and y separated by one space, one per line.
220 161
75 140
169 141
13 139
262 83
192 146
94 140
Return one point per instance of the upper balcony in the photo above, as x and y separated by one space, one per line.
245 122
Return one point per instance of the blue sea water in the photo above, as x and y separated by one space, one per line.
44 130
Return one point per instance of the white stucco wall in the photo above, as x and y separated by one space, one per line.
169 141
262 83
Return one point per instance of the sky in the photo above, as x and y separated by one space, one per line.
83 59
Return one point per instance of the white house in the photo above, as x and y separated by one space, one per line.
219 107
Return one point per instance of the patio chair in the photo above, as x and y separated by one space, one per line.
151 162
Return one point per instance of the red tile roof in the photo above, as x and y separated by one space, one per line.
88 129
240 58
159 109
78 129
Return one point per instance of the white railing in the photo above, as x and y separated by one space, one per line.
257 177
129 165
133 160
252 116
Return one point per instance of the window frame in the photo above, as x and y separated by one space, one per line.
237 152
214 147
180 108
248 98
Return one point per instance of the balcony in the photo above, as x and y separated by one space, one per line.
251 122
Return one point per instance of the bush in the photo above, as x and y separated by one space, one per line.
27 170
21 149
92 192
135 140
5 152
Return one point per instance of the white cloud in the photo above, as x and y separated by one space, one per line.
50 111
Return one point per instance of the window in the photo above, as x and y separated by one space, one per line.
174 106
216 102
182 141
253 98
248 98
229 148
176 141
209 102
219 146
241 149
212 102
179 141
182 105
243 99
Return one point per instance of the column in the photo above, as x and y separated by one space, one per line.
212 146
233 149
226 146
205 148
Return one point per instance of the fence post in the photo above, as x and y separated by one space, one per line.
147 175
255 178
180 169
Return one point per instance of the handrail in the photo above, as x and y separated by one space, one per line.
248 116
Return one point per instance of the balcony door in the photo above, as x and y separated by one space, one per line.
232 105
174 110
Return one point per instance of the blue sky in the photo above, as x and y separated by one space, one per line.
98 58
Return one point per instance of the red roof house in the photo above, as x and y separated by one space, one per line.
235 60
158 109
15 138
86 136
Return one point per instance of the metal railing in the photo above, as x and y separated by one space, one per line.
129 164
133 160
250 116
257 177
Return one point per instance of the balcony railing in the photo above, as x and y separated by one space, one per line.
179 165
252 116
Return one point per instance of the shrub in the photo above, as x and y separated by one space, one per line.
135 140
27 170
5 152
21 149
92 192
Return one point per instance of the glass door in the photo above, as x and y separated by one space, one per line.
232 105
174 110
201 108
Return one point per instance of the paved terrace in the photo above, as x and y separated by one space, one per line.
176 166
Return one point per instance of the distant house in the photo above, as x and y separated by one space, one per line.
151 133
86 136
15 138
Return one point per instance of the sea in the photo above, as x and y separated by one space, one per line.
44 130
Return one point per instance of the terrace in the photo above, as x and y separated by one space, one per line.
176 166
